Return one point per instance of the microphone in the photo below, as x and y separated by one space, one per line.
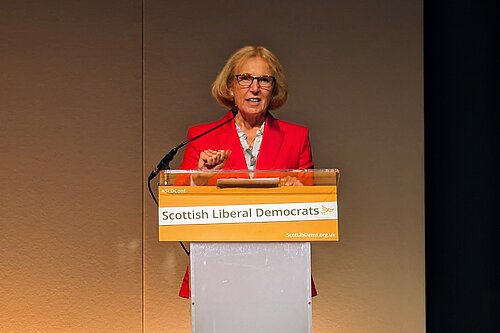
165 161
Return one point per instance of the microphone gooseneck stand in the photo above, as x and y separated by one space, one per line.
165 161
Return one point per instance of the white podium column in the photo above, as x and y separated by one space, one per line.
251 287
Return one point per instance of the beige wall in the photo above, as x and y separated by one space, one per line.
70 240
83 123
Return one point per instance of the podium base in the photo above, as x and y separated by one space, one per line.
251 287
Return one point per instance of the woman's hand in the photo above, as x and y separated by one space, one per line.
213 159
210 160
290 181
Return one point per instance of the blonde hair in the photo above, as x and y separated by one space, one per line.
221 88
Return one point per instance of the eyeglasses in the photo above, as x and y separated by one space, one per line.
246 80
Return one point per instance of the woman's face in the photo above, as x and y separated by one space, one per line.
254 99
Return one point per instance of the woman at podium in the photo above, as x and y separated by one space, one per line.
250 85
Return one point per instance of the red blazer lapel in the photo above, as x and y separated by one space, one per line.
270 146
228 137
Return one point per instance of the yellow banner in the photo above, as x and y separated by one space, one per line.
210 213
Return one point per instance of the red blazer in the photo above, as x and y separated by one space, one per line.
284 145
